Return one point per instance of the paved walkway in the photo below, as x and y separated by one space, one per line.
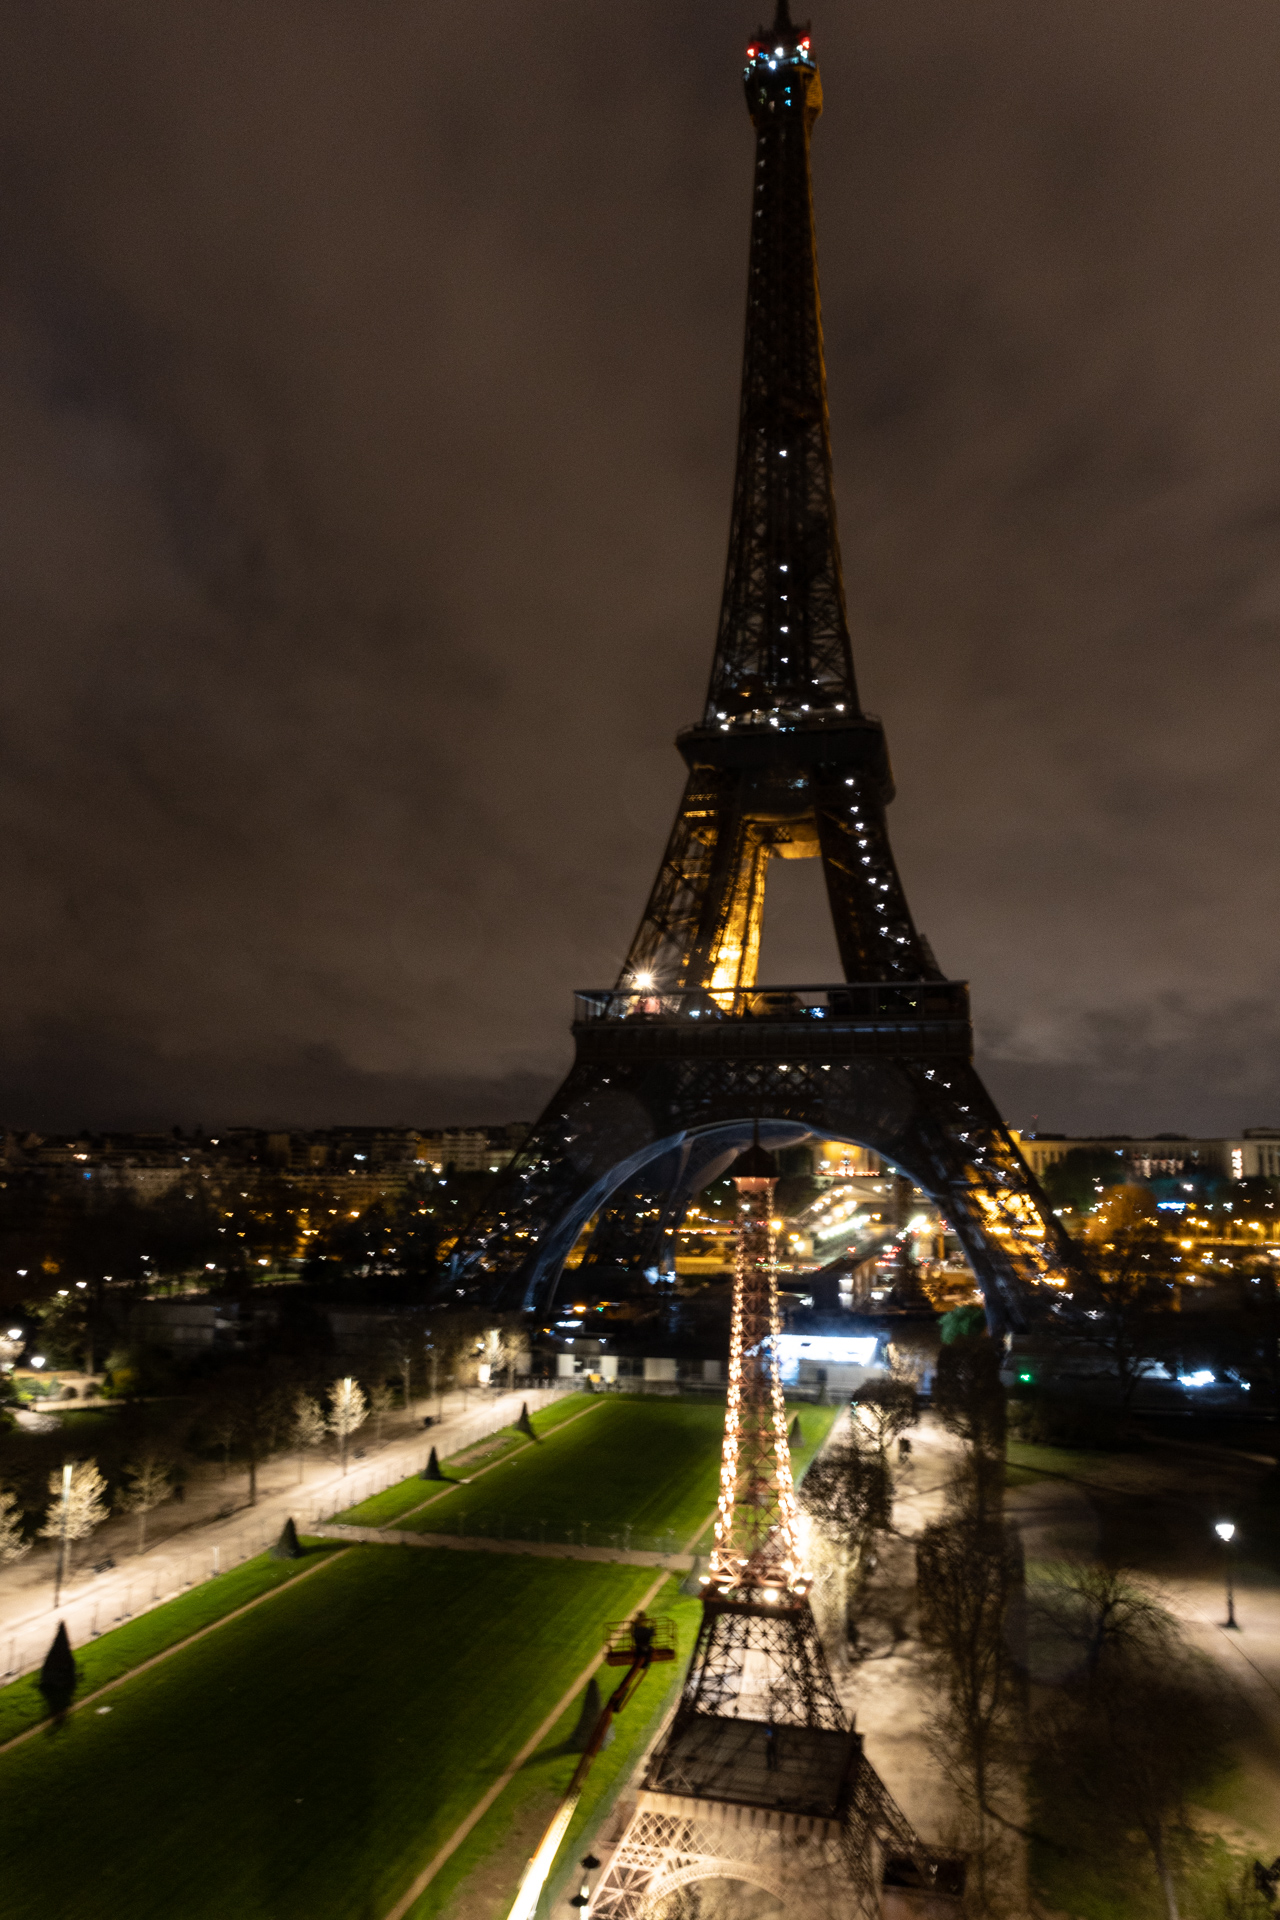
93 1602
483 1543
1153 1513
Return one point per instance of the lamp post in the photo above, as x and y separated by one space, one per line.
1225 1530
63 1518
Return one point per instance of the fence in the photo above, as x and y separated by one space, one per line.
124 1594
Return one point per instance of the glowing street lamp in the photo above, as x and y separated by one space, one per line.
1225 1530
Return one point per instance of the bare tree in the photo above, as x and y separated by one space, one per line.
969 1400
149 1486
848 1495
347 1411
258 1404
308 1429
884 1409
12 1544
381 1401
1097 1614
405 1347
969 1570
76 1507
1123 1747
221 1418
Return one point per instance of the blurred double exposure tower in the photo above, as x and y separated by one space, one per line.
759 1777
675 1060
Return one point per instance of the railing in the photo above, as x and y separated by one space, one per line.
842 1004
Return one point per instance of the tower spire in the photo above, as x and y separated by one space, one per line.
783 639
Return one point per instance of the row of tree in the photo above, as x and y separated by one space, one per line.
259 1412
1069 1711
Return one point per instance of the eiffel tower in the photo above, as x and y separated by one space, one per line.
677 1058
759 1778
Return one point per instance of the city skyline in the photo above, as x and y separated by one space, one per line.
367 501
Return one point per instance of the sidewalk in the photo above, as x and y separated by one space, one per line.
205 1546
485 1543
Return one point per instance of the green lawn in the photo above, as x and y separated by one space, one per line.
114 1654
641 1471
383 1509
496 1849
1026 1462
310 1757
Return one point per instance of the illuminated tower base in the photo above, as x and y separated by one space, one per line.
760 1778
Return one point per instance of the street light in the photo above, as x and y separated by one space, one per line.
1225 1530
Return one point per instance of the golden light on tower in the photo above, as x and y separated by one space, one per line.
757 1550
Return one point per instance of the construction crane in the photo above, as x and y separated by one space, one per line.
635 1644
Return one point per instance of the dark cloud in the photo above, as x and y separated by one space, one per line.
367 402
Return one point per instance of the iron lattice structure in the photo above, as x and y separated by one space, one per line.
759 1777
757 1546
784 763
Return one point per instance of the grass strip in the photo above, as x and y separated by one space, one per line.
314 1752
393 1503
490 1860
644 1472
113 1656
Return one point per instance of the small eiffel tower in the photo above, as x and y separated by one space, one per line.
783 764
760 1777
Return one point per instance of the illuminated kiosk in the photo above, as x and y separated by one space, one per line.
784 763
759 1777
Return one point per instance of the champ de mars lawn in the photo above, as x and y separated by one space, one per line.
310 1756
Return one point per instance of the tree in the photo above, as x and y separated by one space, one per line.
848 1496
347 1411
968 1571
58 1675
1097 1615
1077 1182
221 1419
148 1487
1133 1260
884 1409
258 1403
309 1427
76 1507
381 1401
969 1400
1125 1744
12 1544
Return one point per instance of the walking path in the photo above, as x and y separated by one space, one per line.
1153 1514
93 1602
484 1543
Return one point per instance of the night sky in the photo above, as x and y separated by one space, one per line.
368 384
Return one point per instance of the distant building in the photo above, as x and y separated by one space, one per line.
1255 1153
472 1149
